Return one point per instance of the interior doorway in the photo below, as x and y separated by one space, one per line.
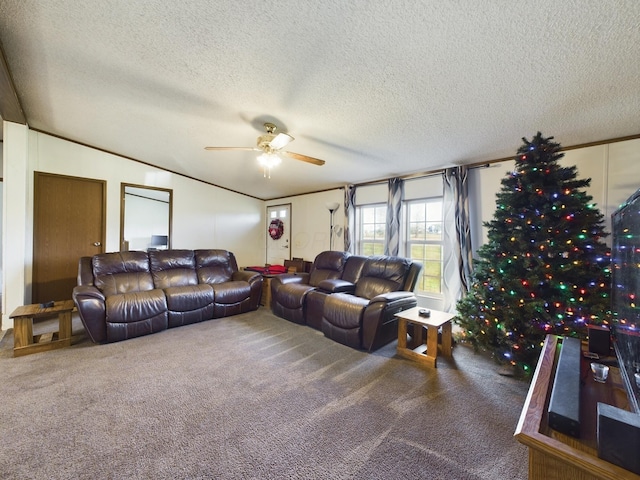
279 249
68 223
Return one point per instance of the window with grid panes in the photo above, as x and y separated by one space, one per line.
423 241
371 229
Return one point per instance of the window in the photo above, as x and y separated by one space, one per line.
278 214
424 241
371 229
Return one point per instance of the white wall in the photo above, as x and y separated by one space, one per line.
1 209
311 221
203 216
623 178
15 212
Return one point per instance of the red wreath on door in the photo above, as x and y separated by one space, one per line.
276 228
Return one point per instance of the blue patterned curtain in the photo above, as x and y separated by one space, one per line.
457 262
350 219
394 205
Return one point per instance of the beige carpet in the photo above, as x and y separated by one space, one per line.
253 396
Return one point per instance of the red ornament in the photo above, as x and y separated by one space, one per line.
276 228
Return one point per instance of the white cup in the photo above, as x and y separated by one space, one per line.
600 372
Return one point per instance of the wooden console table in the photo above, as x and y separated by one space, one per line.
556 456
24 342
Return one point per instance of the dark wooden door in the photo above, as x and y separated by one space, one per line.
69 222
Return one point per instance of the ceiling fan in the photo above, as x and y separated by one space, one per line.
271 145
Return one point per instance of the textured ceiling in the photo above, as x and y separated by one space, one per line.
377 89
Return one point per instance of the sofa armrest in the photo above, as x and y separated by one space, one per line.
85 271
336 285
83 292
92 309
392 297
246 276
285 278
379 321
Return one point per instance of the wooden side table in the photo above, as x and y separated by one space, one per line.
434 322
265 300
24 342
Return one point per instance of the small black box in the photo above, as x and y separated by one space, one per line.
619 437
599 339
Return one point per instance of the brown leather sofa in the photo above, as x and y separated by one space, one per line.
128 294
353 299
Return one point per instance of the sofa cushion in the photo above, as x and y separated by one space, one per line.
344 310
189 297
353 268
231 292
189 304
173 268
327 265
122 272
135 306
215 266
381 275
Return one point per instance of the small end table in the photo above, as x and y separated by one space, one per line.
435 321
24 342
265 300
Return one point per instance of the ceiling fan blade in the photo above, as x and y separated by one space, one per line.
280 140
304 158
231 148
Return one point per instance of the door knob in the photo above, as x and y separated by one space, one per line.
96 244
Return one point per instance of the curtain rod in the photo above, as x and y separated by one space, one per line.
431 173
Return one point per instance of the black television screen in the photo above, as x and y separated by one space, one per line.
625 292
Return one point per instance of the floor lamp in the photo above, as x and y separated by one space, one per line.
333 206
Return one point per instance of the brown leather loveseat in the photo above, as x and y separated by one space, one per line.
128 294
353 299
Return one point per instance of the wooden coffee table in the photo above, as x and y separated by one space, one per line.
24 342
425 354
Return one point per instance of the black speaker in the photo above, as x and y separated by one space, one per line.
619 437
564 404
599 339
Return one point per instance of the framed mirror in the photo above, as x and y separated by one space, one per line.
145 217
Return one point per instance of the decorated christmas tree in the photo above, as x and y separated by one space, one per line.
545 267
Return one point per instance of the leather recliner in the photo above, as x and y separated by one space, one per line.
121 300
316 297
365 319
288 292
355 304
234 291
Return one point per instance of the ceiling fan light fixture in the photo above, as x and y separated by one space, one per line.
281 140
268 161
270 145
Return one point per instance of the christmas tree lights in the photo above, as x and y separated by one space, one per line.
545 268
